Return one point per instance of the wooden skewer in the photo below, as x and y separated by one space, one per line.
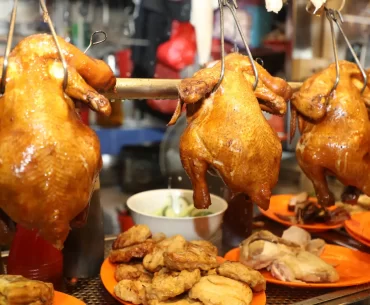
152 88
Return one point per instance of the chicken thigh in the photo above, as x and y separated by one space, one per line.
335 131
49 160
227 131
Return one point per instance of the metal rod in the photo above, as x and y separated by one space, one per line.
255 71
338 21
8 47
222 37
330 17
152 88
50 23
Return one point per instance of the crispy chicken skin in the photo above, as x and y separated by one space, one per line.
126 254
154 261
227 131
17 290
238 271
335 130
220 290
168 284
135 235
133 291
191 257
49 160
132 272
176 301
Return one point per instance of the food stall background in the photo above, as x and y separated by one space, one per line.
139 152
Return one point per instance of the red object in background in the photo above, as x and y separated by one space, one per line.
125 221
164 106
84 114
34 258
180 50
124 62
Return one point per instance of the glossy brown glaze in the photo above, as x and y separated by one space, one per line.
335 130
49 159
227 131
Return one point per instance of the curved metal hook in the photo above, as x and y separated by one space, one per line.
336 16
8 47
96 42
330 16
232 7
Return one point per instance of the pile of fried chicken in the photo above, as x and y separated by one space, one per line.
294 257
156 270
49 159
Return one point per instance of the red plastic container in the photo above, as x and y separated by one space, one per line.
34 258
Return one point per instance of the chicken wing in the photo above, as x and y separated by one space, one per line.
219 290
335 130
49 159
227 132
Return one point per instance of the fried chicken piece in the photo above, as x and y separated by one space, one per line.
125 255
157 237
167 284
220 290
18 290
135 235
239 272
335 131
132 272
132 291
154 261
189 258
185 300
227 131
49 159
208 246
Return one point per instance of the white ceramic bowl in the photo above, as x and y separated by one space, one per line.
144 204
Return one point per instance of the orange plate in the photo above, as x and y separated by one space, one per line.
359 225
107 277
279 204
356 237
62 299
352 266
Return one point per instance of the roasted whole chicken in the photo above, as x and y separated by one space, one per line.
335 131
49 160
227 131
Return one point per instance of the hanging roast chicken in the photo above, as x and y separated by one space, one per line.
335 130
227 131
49 159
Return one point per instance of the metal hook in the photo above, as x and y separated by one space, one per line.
336 16
232 7
8 47
64 63
96 42
329 15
